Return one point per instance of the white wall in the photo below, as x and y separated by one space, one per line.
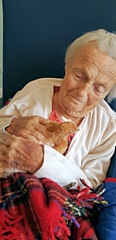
1 47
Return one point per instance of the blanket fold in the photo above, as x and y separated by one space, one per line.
32 209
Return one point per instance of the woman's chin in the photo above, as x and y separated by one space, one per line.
73 110
72 113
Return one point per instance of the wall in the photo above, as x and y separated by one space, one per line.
37 33
1 48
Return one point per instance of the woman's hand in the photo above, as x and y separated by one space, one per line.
22 154
33 128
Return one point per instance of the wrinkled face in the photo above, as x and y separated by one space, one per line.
88 78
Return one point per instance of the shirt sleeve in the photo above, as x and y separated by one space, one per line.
60 169
95 165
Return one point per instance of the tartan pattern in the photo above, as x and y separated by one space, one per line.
32 209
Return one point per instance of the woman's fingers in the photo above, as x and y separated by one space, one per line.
23 154
3 157
3 149
3 163
33 128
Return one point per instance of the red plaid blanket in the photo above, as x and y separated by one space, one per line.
32 209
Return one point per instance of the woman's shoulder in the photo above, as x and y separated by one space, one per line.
101 118
105 110
42 83
33 88
101 122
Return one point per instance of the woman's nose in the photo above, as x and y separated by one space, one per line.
83 89
82 92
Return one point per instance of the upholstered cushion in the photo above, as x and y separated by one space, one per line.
106 224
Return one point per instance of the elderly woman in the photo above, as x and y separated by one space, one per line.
90 75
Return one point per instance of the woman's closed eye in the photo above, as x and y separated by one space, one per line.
99 88
78 76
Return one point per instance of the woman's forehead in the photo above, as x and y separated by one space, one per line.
90 57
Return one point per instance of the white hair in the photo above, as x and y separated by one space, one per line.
106 42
